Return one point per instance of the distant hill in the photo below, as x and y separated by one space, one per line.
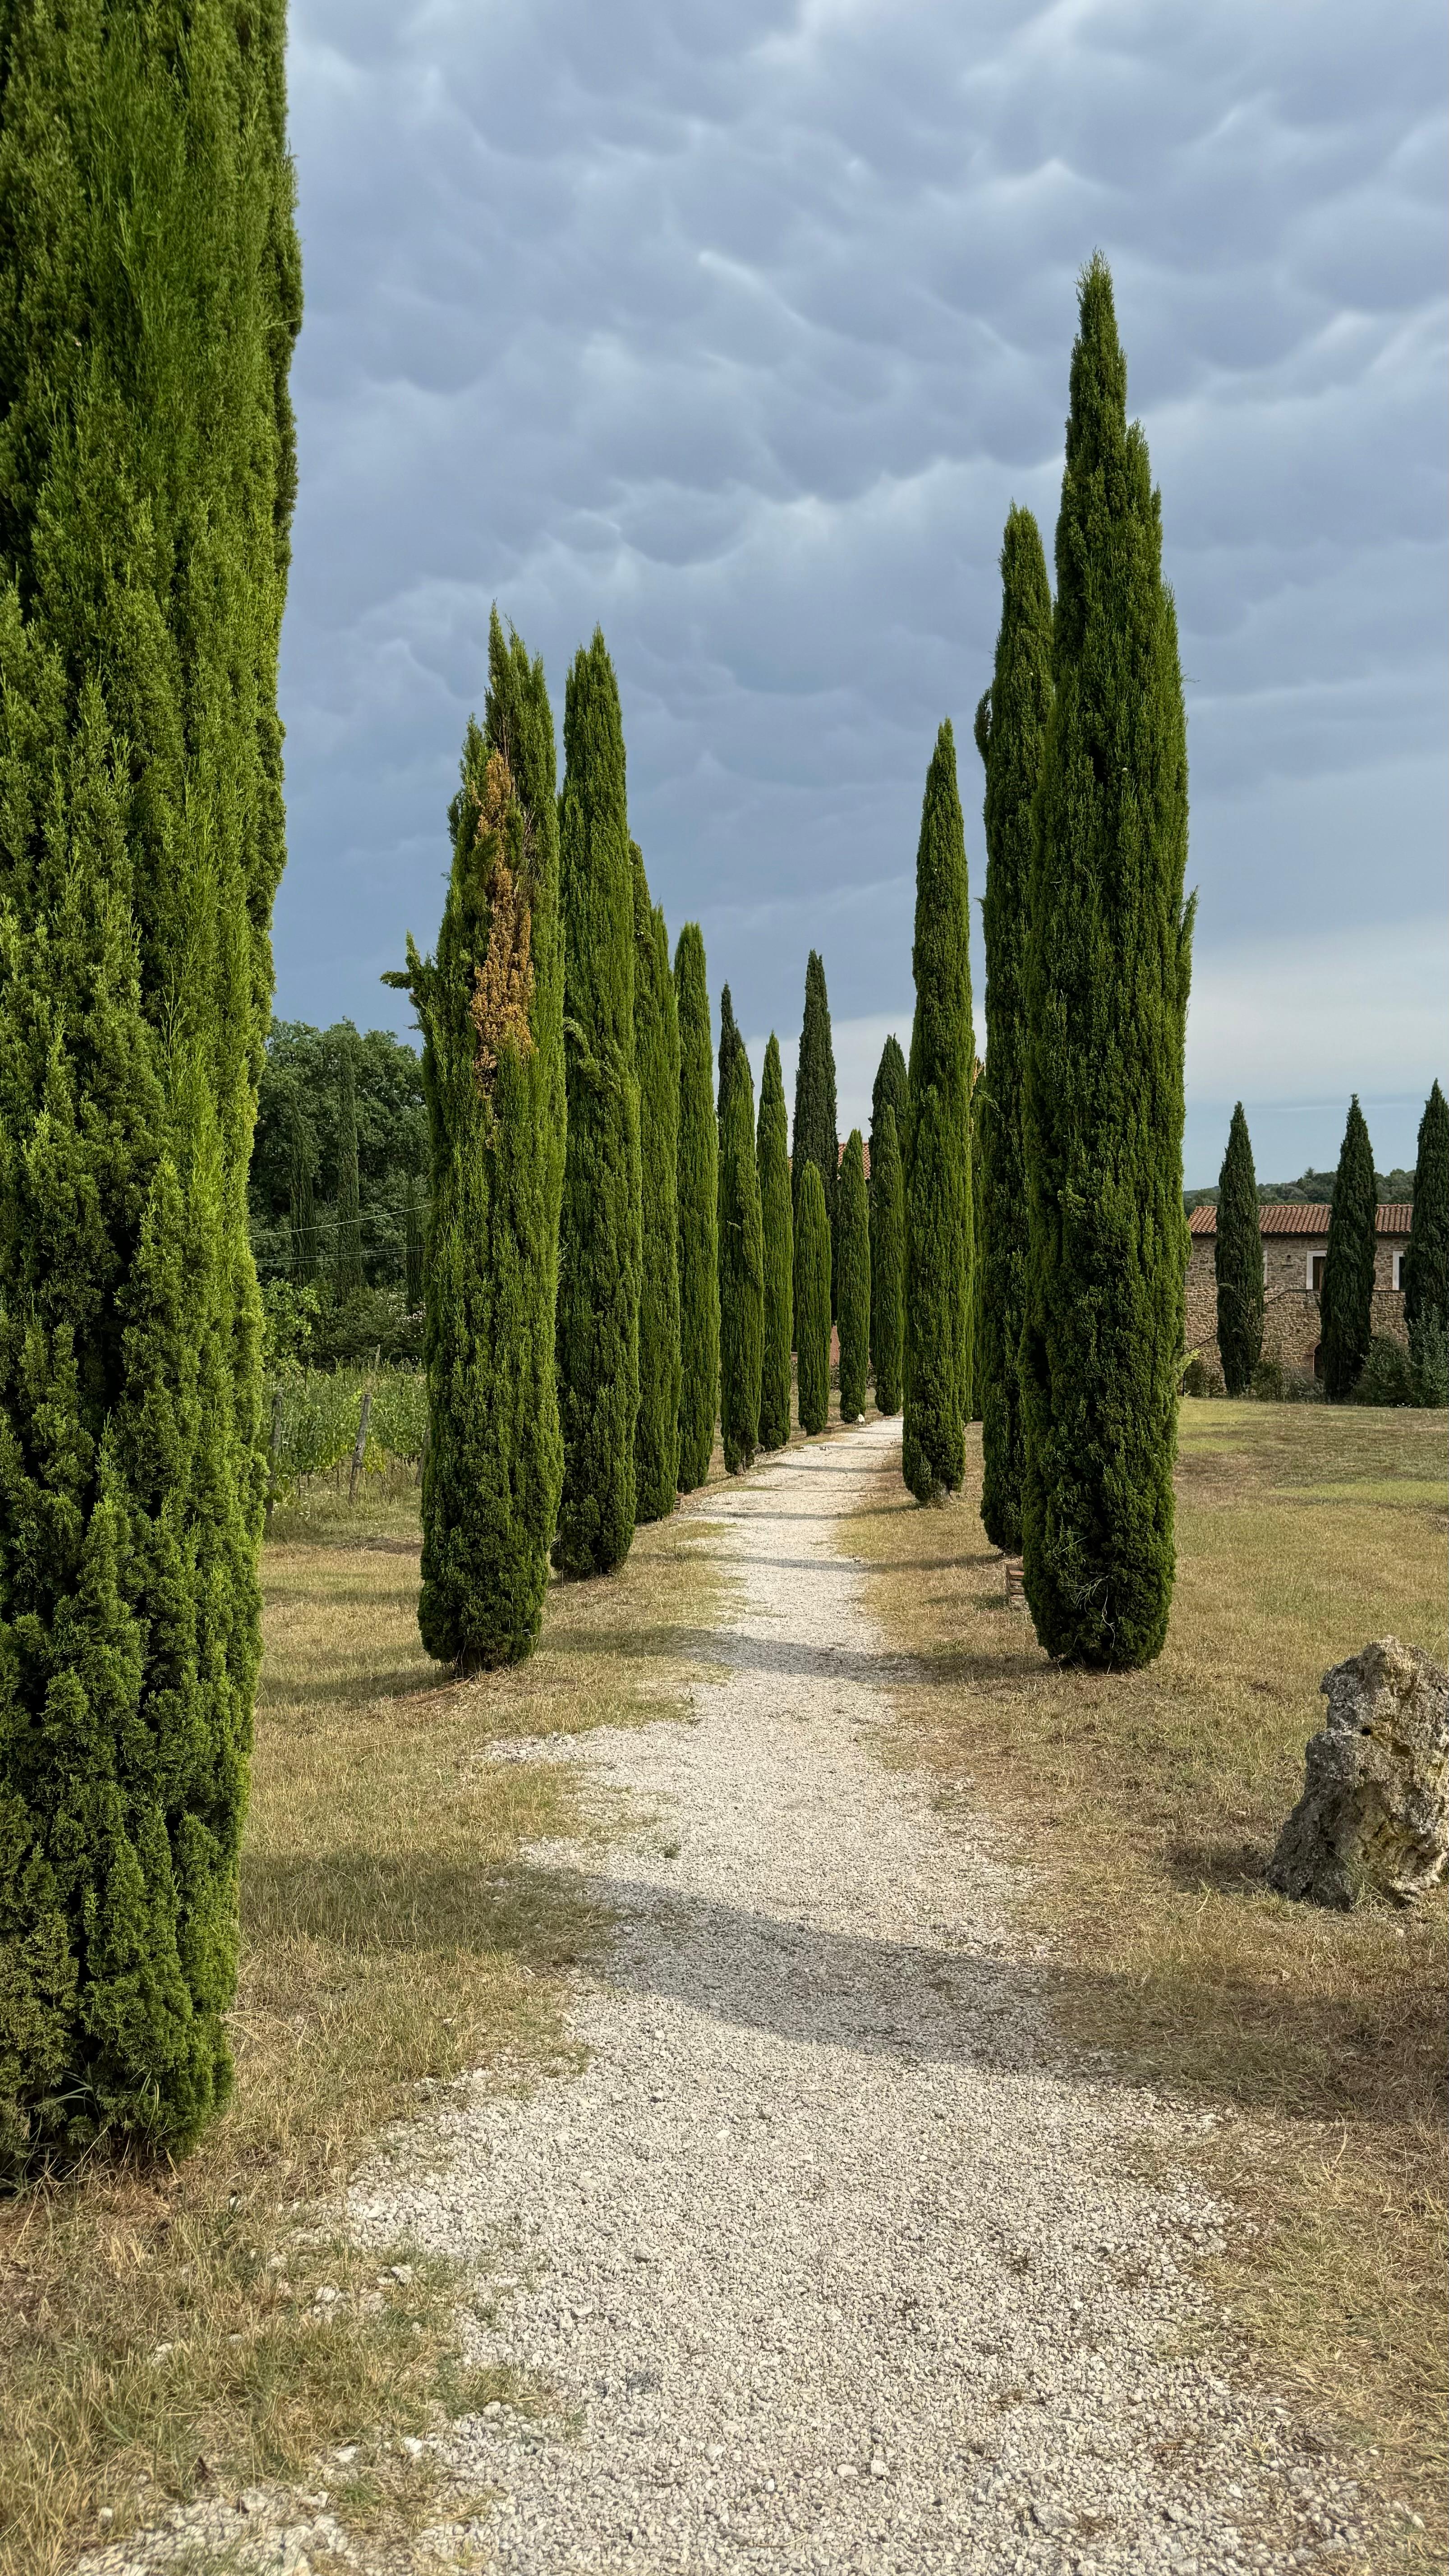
1313 1189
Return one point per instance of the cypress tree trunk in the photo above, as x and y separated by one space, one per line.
491 1013
853 1299
1011 724
777 1217
889 1090
349 1276
1347 1302
1108 963
150 285
938 1159
887 1264
812 1302
656 1051
741 1261
815 1140
1426 1262
698 1215
1238 1261
599 1242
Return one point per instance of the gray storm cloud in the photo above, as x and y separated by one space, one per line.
737 328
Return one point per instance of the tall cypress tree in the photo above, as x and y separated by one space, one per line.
853 1286
772 1153
656 1051
1426 1262
599 1241
1011 724
1238 1261
698 1215
938 1158
815 1140
887 1264
1346 1306
1108 963
150 293
729 1041
349 1276
491 1011
741 1262
812 1302
889 1090
978 1236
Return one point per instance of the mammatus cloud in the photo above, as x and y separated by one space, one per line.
737 330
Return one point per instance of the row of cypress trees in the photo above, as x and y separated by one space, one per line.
617 1255
1346 1301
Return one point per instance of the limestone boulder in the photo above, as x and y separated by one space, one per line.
1373 1819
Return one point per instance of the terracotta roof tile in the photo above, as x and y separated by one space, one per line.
1298 1216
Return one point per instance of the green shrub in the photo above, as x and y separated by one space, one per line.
1431 1361
1388 1375
1201 1378
1273 1383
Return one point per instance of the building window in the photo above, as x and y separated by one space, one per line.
1398 1272
1316 1261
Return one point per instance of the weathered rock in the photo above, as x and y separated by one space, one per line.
1373 1819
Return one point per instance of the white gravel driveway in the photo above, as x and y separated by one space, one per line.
831 2258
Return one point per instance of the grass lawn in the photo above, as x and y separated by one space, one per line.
1146 1806
158 2332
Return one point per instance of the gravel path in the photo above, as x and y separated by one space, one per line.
831 2260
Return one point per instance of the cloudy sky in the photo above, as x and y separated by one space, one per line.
735 325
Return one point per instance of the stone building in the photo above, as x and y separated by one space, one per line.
1295 1243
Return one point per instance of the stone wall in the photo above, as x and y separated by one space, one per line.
1291 1324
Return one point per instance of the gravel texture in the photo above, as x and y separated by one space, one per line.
828 2257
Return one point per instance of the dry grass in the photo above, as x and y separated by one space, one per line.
1147 1804
158 2331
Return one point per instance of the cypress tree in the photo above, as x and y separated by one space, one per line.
1011 724
656 1051
974 1288
887 1264
1108 962
301 1191
938 1159
491 1011
1426 1262
815 1140
348 1274
1346 1305
729 1041
888 1090
599 1242
741 1261
812 1301
698 1215
412 1248
853 1285
777 1219
1238 1261
150 293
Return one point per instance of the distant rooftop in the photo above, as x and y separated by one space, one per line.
1292 1216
